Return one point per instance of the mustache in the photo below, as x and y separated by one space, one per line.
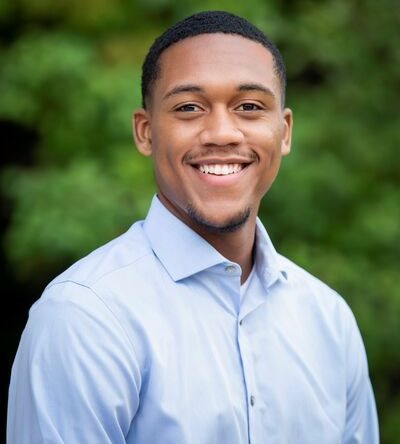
220 152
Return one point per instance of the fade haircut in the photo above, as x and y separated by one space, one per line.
207 22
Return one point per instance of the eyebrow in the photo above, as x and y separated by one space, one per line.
198 89
256 87
182 89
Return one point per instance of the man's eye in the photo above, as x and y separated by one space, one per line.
188 108
249 107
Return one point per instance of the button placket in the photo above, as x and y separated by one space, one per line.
246 357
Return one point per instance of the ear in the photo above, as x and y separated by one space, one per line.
287 131
142 132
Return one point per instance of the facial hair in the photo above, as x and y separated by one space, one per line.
230 226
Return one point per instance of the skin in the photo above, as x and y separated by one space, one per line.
217 101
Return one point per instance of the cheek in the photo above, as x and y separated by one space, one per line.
262 133
168 146
167 165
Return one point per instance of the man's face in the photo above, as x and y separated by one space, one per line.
215 129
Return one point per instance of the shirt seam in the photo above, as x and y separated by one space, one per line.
88 283
102 301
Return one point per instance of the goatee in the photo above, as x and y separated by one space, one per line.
230 226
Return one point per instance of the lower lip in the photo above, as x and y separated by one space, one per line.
220 181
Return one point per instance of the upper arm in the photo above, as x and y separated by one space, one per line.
361 417
75 375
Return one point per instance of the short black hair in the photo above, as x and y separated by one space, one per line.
207 22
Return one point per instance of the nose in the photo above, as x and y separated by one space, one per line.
220 129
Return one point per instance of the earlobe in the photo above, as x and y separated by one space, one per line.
287 131
142 132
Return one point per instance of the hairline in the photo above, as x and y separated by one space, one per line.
157 65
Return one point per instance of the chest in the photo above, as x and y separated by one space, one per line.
207 377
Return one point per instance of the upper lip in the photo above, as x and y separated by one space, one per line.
220 160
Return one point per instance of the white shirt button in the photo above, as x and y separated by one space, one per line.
230 268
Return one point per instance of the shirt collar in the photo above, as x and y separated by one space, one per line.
180 249
267 260
184 253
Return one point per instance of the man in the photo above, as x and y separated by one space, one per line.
190 327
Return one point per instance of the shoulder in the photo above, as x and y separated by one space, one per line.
310 292
92 284
124 251
87 296
303 279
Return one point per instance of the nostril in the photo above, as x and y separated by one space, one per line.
221 137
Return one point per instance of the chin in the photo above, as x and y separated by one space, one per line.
227 224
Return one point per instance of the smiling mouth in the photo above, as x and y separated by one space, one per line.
220 169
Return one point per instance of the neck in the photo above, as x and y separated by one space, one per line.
237 246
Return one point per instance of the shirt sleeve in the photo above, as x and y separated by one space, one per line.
74 378
361 415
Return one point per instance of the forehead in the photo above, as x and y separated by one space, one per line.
216 60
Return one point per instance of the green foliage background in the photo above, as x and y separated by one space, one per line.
71 178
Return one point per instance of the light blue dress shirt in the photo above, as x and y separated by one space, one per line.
148 340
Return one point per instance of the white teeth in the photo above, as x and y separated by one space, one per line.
221 169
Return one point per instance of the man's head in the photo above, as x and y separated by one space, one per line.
214 123
207 22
